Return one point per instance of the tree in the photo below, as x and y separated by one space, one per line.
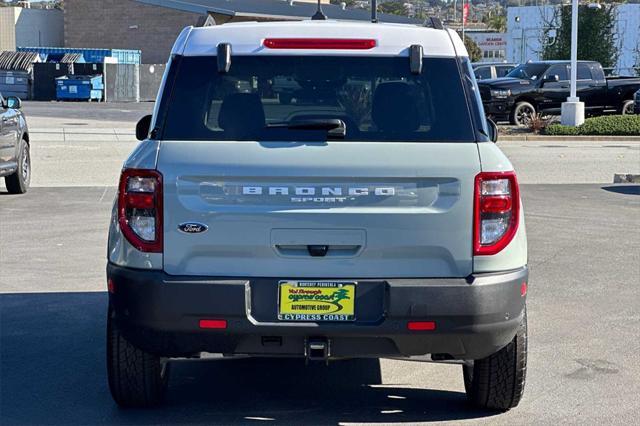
596 38
394 8
498 23
475 53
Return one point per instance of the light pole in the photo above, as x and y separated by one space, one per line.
573 109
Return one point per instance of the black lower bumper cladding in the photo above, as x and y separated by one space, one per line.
467 318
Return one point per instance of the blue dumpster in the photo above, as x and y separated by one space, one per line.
79 87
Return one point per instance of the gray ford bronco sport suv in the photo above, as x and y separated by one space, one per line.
370 215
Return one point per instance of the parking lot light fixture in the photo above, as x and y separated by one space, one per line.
572 113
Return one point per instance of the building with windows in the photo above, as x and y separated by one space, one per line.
493 45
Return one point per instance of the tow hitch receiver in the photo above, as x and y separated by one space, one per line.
317 349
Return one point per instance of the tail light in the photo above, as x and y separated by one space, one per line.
140 208
496 211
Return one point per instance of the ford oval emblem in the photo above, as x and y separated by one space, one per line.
192 227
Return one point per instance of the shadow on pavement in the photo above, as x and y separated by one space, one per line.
53 373
623 189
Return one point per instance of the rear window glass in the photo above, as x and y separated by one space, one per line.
272 98
501 71
483 73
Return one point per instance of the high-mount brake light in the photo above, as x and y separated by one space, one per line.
140 208
496 211
320 43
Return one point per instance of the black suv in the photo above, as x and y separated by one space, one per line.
15 160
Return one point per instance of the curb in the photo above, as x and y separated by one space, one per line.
530 138
503 138
84 131
527 138
626 178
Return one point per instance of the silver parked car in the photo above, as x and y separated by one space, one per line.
376 218
491 70
15 157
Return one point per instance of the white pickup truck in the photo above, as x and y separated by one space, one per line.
370 216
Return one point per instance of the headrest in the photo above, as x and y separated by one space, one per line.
241 115
395 108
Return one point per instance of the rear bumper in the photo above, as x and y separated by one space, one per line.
161 313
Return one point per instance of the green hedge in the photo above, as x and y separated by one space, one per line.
607 125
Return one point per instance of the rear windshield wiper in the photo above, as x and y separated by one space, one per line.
335 127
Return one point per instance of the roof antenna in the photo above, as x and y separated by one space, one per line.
319 15
374 11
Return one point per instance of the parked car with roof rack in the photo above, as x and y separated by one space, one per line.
15 157
371 215
543 86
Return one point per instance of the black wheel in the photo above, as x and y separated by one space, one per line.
627 107
18 183
136 378
521 113
497 381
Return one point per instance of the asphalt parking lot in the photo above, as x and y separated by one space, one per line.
584 251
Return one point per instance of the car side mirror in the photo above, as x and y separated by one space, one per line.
13 102
551 78
142 128
493 130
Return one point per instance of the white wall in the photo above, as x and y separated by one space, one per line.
524 36
39 27
7 33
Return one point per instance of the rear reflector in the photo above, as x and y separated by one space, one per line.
319 43
211 323
421 325
111 288
523 289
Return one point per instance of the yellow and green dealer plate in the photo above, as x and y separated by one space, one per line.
316 301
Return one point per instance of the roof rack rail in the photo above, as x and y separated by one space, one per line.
434 23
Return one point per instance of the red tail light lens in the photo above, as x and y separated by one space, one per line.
496 211
140 208
319 43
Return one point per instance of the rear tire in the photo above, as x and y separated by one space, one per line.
521 111
136 378
627 107
18 183
497 381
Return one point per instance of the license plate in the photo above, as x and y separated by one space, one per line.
316 300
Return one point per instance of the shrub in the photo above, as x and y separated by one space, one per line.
537 122
608 125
